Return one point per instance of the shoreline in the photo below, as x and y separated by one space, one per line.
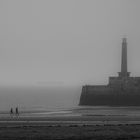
97 124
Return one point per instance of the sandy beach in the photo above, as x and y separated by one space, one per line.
80 123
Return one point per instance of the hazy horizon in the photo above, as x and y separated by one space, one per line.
65 44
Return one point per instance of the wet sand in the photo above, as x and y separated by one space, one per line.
98 123
77 127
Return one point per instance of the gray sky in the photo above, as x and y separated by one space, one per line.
66 42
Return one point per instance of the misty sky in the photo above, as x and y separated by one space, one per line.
66 42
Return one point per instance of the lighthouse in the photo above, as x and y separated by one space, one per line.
122 90
124 73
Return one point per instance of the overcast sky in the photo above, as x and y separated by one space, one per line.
66 42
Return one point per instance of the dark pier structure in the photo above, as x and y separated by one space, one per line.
120 91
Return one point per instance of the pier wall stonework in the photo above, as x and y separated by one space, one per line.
118 92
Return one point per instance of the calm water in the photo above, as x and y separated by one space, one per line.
78 111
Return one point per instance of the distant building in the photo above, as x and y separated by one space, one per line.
120 91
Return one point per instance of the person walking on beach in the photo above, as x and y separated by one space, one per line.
11 112
17 112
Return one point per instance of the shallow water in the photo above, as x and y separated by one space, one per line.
79 111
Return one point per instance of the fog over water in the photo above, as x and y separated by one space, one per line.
39 98
50 48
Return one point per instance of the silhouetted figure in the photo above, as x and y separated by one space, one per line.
11 112
17 112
